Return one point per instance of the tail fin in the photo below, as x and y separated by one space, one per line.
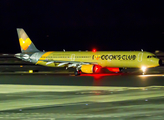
26 44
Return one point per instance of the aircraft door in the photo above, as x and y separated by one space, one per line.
140 56
73 57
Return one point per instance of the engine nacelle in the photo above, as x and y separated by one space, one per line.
113 69
90 68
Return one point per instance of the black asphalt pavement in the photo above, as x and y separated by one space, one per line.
126 80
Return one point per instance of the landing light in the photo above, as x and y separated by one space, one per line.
143 68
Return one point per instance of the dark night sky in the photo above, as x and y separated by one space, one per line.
83 25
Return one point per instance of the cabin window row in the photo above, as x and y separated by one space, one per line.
65 57
82 56
56 57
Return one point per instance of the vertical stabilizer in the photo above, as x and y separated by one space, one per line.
26 44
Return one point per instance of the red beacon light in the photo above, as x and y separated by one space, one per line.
94 50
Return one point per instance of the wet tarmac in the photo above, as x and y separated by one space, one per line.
126 80
47 102
49 96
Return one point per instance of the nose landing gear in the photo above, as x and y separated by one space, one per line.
143 68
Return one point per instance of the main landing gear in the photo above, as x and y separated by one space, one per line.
77 72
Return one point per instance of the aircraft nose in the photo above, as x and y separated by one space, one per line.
160 62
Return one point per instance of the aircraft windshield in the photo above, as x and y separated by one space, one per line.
151 56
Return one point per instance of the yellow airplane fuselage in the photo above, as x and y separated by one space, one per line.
121 59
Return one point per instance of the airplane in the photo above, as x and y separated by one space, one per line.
85 61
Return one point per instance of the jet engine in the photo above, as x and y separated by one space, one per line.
90 68
113 69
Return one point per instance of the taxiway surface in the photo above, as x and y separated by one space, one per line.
92 97
84 80
42 102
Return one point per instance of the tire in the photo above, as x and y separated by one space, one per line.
77 73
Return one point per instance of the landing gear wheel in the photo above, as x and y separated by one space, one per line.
77 73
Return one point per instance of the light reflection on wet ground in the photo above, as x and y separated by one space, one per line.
100 96
77 102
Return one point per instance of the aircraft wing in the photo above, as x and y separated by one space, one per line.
67 62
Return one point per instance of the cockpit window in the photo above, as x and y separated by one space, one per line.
151 56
